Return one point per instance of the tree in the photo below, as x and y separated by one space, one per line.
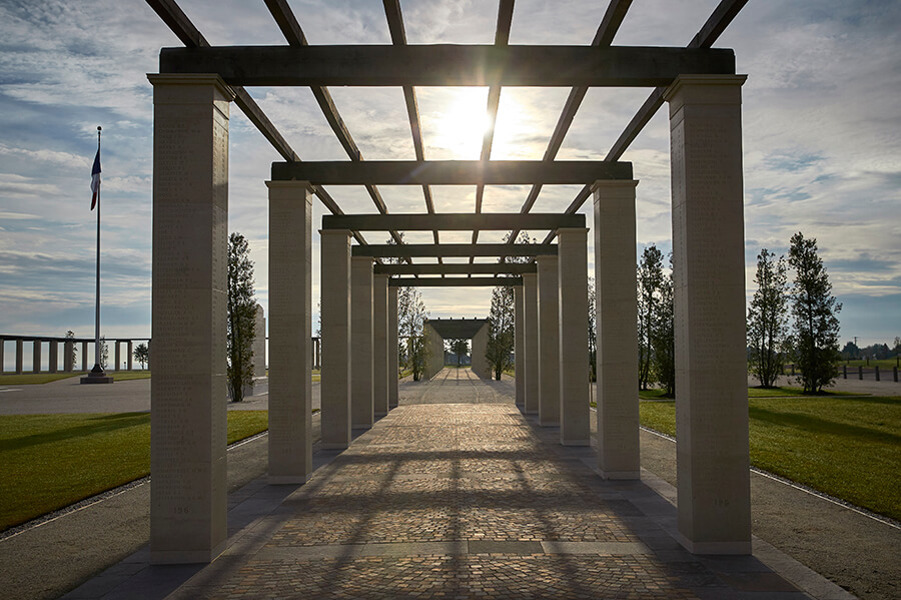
650 278
501 330
141 353
850 351
411 314
663 336
104 353
460 348
814 309
767 318
592 332
241 309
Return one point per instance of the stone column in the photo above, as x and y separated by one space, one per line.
380 344
479 348
518 346
435 350
36 356
2 349
336 372
20 353
68 362
617 337
117 345
290 313
393 349
53 358
572 252
362 405
548 342
188 388
530 338
129 350
84 356
259 316
709 280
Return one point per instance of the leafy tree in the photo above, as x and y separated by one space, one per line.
850 351
592 332
814 309
459 347
650 279
767 318
411 314
241 316
663 336
141 353
104 353
501 330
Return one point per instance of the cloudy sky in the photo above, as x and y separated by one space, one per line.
821 139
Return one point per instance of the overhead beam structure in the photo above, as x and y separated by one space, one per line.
454 282
449 250
447 65
452 221
457 269
450 172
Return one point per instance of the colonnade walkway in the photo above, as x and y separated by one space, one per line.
454 494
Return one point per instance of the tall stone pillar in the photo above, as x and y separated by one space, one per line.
380 352
290 313
530 333
68 360
188 389
129 352
709 279
518 345
572 252
2 351
53 358
548 342
478 349
393 359
118 362
336 375
36 355
435 351
84 356
259 315
20 353
362 404
617 337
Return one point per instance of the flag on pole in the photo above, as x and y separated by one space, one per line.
95 179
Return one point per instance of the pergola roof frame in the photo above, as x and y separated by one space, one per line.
500 268
452 221
454 282
453 250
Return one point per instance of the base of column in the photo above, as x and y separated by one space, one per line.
622 475
379 415
731 548
334 446
96 375
549 423
288 479
361 426
530 412
185 557
575 442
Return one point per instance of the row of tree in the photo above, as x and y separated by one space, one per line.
810 338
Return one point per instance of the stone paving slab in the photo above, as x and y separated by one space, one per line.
474 502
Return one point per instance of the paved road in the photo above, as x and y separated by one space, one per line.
70 396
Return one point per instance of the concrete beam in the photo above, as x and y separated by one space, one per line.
445 250
447 65
455 282
457 269
452 221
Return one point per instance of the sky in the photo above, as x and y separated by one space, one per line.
821 119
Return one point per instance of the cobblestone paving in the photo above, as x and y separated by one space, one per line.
466 501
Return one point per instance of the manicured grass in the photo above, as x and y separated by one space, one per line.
34 378
50 461
129 375
849 448
883 363
789 391
652 394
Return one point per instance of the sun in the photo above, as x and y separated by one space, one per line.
460 124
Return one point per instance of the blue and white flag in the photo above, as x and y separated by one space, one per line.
95 180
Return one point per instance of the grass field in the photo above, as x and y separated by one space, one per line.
847 447
50 461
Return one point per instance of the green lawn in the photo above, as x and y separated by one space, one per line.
34 378
50 461
849 448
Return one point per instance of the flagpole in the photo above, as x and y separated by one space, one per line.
97 375
97 366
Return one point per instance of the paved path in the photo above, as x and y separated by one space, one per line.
454 500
